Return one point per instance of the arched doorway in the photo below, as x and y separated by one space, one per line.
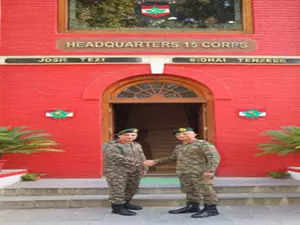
157 105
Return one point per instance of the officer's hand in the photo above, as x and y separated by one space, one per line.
208 175
149 163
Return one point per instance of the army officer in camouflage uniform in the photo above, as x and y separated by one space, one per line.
197 161
123 168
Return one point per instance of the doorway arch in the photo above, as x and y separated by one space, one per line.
132 91
156 105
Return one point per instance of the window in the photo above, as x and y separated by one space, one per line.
143 15
167 90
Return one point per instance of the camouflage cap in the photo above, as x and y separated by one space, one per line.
181 130
129 130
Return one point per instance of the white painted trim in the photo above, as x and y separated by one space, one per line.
157 64
11 179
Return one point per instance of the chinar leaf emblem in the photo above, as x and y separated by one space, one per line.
155 11
252 113
59 114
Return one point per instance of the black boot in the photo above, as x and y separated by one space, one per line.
121 210
209 210
191 207
128 205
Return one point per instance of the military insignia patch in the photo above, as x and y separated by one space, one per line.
252 114
155 10
59 114
181 130
130 130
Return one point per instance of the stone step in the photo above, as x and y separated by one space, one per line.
149 200
163 185
54 191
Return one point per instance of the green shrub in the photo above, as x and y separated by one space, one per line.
31 176
25 141
276 174
283 142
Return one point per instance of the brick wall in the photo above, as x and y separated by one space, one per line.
27 92
31 28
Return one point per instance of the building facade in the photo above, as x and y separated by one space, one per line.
83 69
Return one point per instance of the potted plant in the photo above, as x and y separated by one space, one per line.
31 176
278 174
25 141
283 142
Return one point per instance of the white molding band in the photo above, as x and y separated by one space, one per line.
156 62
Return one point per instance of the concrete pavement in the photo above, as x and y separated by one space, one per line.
230 215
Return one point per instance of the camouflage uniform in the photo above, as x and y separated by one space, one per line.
192 161
123 169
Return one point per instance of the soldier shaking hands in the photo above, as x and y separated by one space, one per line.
123 168
197 161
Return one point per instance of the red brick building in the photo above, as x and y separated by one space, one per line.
159 67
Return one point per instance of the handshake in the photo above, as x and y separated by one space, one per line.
149 163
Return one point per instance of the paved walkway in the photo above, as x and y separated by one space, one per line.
230 215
